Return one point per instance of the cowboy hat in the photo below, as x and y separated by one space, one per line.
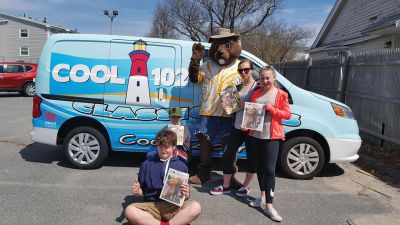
222 33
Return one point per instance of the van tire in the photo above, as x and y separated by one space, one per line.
28 89
296 163
85 147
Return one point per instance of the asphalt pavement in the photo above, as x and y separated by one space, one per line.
38 186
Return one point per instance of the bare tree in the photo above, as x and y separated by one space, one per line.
276 40
162 25
197 19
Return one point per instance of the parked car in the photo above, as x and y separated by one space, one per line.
97 93
17 76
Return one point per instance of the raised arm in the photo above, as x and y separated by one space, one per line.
198 52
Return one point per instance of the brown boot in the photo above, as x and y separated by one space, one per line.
197 180
205 165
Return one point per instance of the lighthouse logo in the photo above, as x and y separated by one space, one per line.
138 85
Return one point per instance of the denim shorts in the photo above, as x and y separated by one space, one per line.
214 127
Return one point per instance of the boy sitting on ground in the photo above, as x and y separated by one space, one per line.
149 185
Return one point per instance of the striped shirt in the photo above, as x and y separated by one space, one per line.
216 78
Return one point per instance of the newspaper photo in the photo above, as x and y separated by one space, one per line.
253 116
179 131
230 98
171 191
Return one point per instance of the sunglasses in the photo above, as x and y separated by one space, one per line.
246 70
266 67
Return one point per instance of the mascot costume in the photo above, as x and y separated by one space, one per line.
214 75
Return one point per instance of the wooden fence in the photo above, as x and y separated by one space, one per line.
369 83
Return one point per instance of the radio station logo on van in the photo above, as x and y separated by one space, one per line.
137 85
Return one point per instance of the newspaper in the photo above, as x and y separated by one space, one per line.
179 131
230 98
253 116
171 191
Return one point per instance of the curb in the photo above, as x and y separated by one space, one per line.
370 162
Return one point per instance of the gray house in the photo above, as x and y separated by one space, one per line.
358 26
22 38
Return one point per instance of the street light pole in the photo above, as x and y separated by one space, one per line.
114 14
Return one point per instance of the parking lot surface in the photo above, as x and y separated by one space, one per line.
38 186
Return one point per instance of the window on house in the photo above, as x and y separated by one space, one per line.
24 51
23 33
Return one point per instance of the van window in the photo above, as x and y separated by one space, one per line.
1 68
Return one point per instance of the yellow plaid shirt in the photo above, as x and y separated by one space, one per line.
214 79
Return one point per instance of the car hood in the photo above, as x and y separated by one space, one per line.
328 99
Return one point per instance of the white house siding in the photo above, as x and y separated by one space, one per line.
354 16
2 43
371 45
319 54
396 39
37 37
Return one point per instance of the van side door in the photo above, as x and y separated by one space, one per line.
143 86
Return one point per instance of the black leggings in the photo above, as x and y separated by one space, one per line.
266 153
233 141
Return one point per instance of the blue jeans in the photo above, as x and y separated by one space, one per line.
214 127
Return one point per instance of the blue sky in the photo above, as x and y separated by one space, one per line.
135 16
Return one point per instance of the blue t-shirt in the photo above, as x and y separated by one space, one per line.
151 176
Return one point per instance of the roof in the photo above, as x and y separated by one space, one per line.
386 25
386 22
38 23
335 10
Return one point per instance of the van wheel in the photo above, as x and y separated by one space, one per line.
28 89
301 158
85 147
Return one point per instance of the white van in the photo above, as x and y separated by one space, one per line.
96 93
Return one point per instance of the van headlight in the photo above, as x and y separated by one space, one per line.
342 111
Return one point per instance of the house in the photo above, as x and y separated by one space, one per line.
358 26
22 38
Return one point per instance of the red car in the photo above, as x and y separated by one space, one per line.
16 76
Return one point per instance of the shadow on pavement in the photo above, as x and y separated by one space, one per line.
331 170
372 167
129 199
41 153
10 94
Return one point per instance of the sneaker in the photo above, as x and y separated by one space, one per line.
220 190
243 191
259 202
273 214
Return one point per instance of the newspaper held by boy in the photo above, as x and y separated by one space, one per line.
171 191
